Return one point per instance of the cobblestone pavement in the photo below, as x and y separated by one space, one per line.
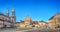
32 30
43 30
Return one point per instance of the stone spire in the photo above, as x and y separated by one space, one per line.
13 16
7 12
13 12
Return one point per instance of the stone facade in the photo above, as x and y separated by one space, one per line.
26 23
6 20
54 22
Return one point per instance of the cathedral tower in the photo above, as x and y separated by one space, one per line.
13 14
13 18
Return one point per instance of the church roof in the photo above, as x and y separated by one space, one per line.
3 14
51 18
54 15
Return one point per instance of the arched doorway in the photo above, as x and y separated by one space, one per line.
5 26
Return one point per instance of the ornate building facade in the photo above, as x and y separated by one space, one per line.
26 23
6 20
54 21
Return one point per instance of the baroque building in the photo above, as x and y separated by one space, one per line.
26 23
6 20
28 20
54 21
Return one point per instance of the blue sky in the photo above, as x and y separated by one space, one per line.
36 9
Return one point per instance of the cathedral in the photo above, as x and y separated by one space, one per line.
7 21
